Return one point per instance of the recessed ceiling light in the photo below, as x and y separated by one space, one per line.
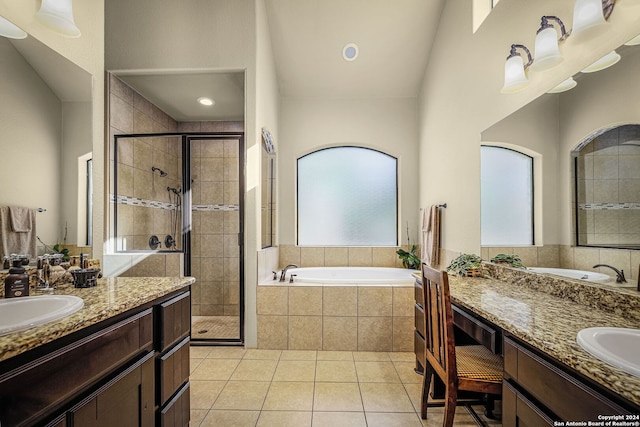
350 52
207 102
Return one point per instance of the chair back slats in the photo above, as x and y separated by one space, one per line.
440 344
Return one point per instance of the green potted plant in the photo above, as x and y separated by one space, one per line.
409 259
511 260
469 265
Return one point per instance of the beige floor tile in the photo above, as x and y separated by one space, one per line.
215 369
414 390
230 419
204 393
371 356
335 355
199 352
336 371
377 372
226 353
284 419
254 353
339 419
295 370
197 415
402 356
407 373
193 364
381 397
380 419
254 370
298 355
337 397
242 395
289 396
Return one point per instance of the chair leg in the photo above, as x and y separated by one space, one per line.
489 406
451 399
426 385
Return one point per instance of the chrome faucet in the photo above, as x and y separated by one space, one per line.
619 273
284 271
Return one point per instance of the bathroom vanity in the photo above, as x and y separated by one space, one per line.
123 359
533 320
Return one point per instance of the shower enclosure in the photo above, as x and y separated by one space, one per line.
183 193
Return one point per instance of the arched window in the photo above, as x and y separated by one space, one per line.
347 196
506 197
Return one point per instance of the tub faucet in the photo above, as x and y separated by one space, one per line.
284 271
619 273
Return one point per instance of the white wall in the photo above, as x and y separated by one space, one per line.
388 125
460 97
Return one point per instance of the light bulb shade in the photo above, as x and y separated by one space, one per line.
606 61
564 86
588 15
10 30
515 78
547 53
57 15
634 41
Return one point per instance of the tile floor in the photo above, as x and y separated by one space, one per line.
231 386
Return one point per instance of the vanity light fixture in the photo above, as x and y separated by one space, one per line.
634 41
57 15
515 77
606 61
546 52
10 30
207 102
590 16
564 86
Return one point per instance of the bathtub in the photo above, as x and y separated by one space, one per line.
590 276
351 276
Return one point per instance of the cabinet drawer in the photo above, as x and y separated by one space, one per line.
177 411
565 395
418 347
175 320
417 293
419 319
480 331
519 411
173 370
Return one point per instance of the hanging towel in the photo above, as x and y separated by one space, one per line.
431 236
21 219
23 243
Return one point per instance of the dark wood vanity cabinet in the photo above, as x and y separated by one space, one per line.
538 391
121 372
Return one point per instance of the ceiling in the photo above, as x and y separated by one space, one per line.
394 40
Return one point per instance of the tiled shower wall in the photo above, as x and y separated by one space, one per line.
215 261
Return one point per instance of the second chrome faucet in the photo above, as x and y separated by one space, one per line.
283 274
619 273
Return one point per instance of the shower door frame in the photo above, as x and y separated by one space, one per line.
187 221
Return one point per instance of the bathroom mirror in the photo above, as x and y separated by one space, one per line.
268 186
46 133
554 127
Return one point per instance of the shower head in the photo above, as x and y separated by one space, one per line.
162 173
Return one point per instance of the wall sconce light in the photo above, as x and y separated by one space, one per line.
606 61
515 78
57 15
590 15
564 86
10 30
546 52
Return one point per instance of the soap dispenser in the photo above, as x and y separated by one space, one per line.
17 282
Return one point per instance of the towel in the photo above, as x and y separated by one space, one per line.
23 243
21 219
431 236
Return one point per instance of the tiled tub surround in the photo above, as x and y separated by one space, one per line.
547 313
109 298
341 256
362 318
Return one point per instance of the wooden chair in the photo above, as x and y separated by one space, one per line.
470 368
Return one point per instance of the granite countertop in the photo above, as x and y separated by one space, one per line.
547 313
110 297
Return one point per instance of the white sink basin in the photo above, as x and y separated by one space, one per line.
590 276
619 347
17 314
